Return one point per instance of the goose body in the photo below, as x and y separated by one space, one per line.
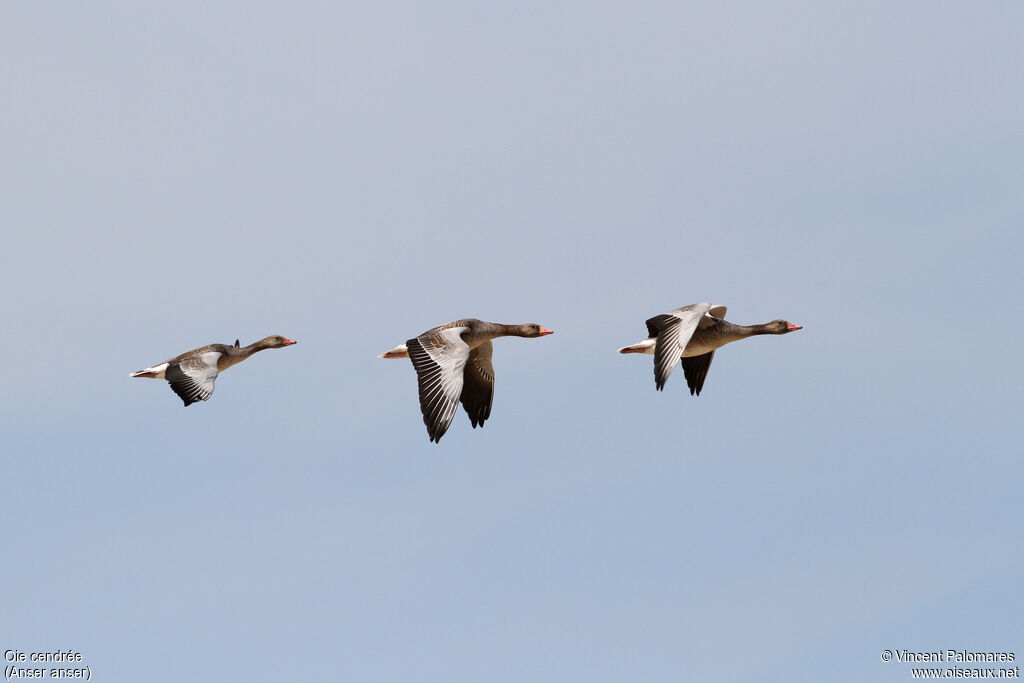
453 365
692 334
192 374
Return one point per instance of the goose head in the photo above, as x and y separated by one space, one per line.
782 327
275 341
533 330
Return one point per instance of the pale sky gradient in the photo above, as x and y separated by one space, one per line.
351 174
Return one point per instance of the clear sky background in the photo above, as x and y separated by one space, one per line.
351 174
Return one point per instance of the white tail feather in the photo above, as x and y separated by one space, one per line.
156 372
646 346
400 351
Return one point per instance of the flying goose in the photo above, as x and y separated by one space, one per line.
453 364
192 374
692 333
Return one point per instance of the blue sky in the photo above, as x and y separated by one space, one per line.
349 175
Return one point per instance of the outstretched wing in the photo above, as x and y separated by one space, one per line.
439 358
673 331
192 378
478 384
696 369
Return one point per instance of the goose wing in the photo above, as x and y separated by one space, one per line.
695 368
439 357
478 384
673 331
192 378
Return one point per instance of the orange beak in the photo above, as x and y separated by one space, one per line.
790 327
544 331
289 342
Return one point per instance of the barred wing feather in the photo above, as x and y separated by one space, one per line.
673 331
192 378
439 358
